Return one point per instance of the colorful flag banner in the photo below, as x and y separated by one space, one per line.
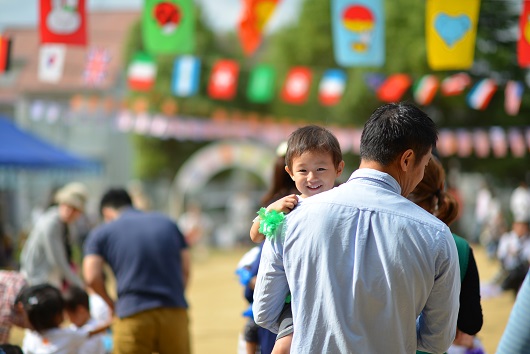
223 80
481 143
63 22
168 26
96 67
5 53
455 84
254 17
297 84
186 75
358 32
516 141
331 87
451 30
141 73
464 143
51 62
261 84
394 88
447 144
498 141
480 95
523 43
513 95
425 89
374 80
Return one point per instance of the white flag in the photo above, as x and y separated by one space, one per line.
51 62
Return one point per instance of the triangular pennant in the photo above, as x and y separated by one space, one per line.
254 16
168 26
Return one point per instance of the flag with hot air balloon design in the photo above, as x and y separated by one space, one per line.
451 30
358 32
523 44
168 27
254 16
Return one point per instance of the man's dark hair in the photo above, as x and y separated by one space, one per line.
394 128
312 138
75 296
43 304
10 349
115 198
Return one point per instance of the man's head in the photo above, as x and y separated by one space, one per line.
398 139
71 200
520 227
77 306
112 201
313 159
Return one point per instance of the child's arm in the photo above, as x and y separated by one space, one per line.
285 205
100 329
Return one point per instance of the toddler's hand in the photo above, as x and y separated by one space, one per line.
285 204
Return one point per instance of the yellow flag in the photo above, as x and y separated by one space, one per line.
451 30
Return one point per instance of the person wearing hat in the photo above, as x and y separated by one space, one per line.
45 255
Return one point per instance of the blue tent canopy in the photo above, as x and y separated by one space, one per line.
20 149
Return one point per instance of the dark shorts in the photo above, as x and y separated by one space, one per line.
286 322
251 331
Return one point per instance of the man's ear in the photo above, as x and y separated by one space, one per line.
289 172
407 160
340 168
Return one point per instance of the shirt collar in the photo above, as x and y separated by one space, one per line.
377 177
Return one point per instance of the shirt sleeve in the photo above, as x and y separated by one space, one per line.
56 254
436 325
516 336
470 318
271 286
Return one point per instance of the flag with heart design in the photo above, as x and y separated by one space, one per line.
451 30
168 26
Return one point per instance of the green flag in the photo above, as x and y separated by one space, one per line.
168 27
261 84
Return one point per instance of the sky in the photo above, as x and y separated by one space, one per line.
23 13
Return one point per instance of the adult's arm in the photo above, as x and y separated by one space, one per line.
54 249
470 318
93 275
271 286
436 325
516 336
186 266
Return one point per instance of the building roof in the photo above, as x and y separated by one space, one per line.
108 30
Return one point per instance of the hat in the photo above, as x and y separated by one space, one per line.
73 194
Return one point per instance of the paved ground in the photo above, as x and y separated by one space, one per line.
216 302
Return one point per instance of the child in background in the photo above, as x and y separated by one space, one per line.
44 307
77 308
314 161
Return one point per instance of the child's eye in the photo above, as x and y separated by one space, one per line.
321 169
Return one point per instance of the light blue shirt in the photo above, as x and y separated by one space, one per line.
368 270
516 336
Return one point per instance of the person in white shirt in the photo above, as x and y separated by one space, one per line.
77 306
520 202
44 307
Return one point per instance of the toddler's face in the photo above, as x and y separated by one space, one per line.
313 172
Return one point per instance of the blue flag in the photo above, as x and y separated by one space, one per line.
186 74
358 32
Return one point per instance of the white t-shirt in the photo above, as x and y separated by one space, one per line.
99 310
94 344
54 341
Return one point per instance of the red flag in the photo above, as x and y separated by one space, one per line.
523 44
223 81
5 53
254 17
297 84
63 22
455 84
394 88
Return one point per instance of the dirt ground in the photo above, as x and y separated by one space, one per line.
216 303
